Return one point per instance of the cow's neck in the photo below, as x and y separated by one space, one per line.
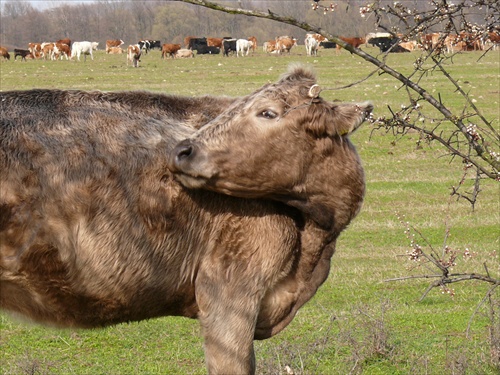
333 191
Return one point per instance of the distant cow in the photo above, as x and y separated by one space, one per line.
96 230
144 45
115 50
134 52
229 45
170 50
254 43
113 43
269 46
207 50
285 44
312 45
355 42
24 53
61 50
243 46
386 44
155 44
4 53
194 43
184 53
84 48
48 51
326 44
35 49
66 41
214 42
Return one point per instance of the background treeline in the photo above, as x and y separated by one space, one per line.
170 21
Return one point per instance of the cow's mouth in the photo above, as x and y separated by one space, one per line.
190 182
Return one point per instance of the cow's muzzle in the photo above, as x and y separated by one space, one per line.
189 165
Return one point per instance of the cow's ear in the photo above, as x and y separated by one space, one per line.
336 119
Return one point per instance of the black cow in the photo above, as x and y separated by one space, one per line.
155 44
326 44
194 43
144 45
203 50
229 45
387 44
21 52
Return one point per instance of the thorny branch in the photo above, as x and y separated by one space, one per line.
442 262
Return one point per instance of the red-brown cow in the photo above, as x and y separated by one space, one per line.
35 48
115 50
94 229
269 46
66 41
214 42
62 50
169 50
355 42
4 52
285 44
113 43
254 43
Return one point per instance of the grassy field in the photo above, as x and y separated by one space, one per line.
357 323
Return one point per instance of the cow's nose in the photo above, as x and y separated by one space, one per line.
183 153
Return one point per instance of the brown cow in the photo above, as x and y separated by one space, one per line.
62 49
35 48
285 44
115 50
355 42
113 43
4 52
169 49
66 41
214 42
254 43
95 231
269 46
48 51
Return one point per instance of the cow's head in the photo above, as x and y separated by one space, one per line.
273 142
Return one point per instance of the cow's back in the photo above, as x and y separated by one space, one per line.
81 189
93 228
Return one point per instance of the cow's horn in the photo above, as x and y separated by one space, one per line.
314 91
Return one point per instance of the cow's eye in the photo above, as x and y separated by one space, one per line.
268 114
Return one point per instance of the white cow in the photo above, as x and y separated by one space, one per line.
243 46
312 45
77 48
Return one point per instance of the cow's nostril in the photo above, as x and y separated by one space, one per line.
184 152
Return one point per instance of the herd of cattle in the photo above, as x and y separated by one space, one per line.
64 48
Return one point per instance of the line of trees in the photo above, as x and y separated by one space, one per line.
170 22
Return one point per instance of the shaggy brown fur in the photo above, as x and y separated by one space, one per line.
94 230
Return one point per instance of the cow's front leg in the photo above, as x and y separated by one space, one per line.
229 306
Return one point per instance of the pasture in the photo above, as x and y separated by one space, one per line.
357 323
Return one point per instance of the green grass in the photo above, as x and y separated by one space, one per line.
357 322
